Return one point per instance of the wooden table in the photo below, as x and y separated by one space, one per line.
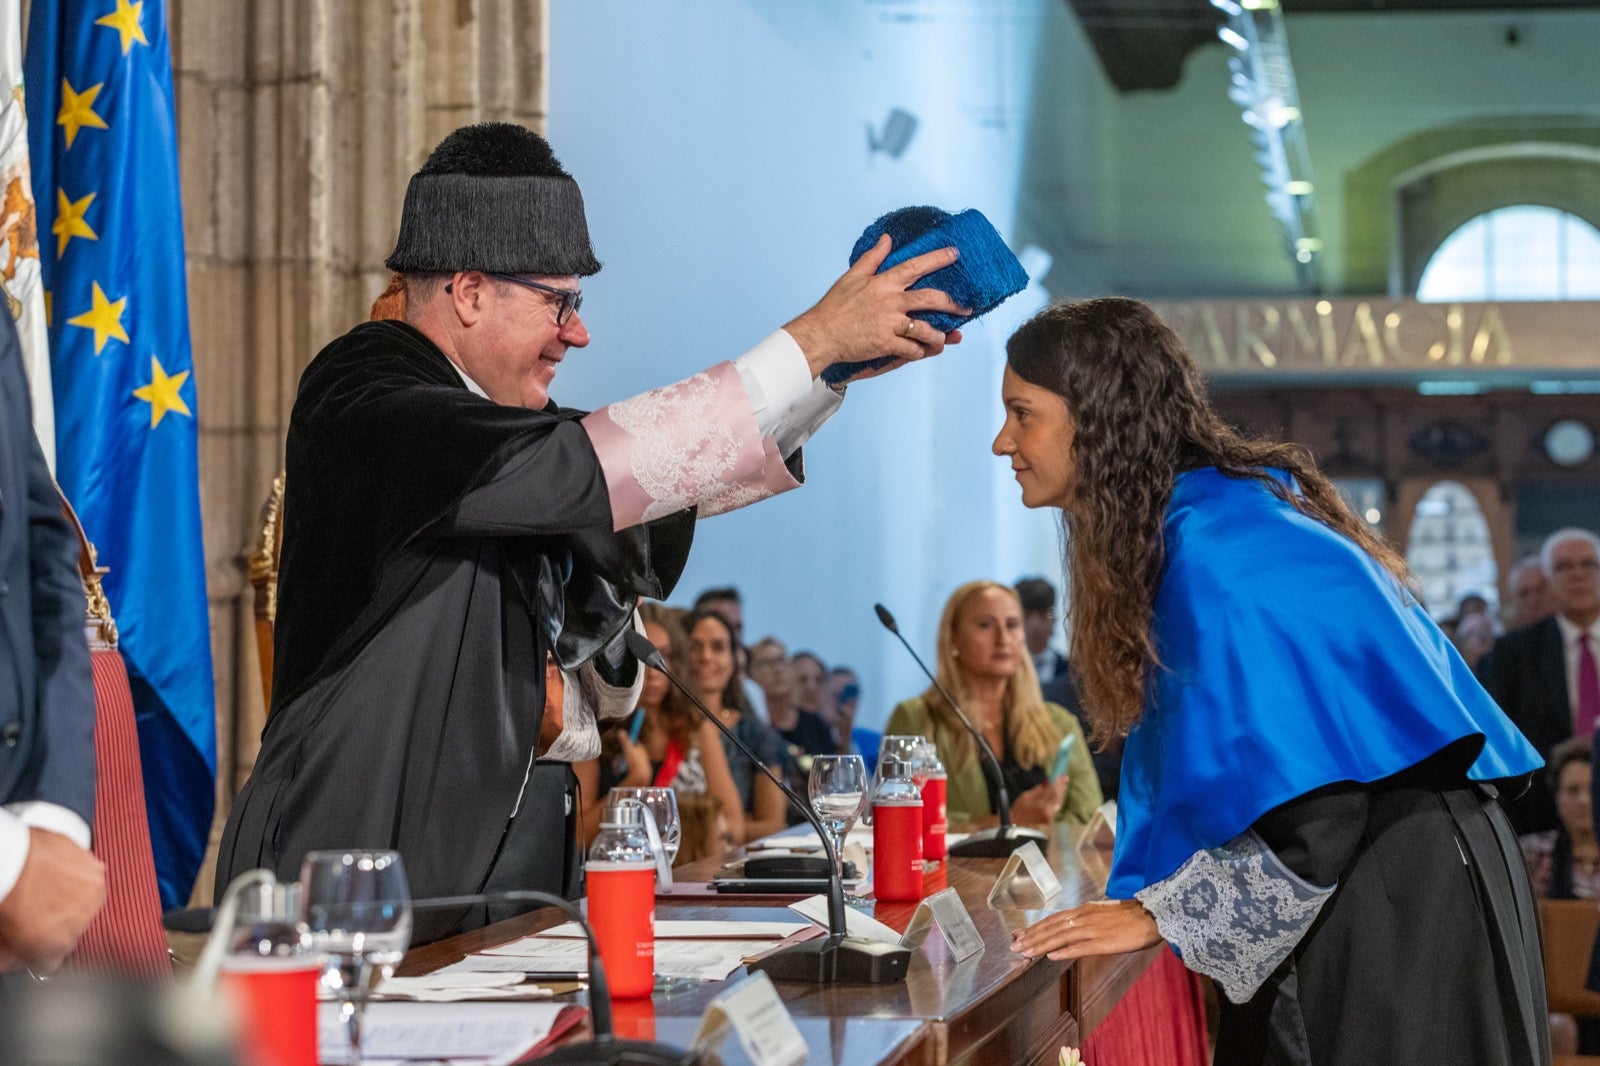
994 1007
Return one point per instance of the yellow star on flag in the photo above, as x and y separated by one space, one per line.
77 110
125 20
162 393
69 221
104 317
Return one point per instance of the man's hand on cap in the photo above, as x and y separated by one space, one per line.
865 314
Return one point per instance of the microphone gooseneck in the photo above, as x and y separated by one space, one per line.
977 734
638 644
988 843
838 956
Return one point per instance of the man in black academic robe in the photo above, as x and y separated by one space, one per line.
449 528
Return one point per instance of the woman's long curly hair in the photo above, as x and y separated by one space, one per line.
1142 417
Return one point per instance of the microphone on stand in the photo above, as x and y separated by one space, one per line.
837 957
987 843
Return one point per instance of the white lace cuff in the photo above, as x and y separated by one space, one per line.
1234 913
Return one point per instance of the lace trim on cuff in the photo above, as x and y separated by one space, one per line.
1234 913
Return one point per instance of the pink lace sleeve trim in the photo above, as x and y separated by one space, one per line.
692 443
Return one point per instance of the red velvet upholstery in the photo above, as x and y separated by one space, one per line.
126 936
1160 1022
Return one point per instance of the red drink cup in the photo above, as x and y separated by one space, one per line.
276 1000
622 910
935 821
897 851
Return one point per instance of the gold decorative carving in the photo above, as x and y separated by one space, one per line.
264 560
101 627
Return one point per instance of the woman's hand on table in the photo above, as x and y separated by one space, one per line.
1111 927
1040 804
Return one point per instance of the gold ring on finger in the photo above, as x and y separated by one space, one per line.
909 328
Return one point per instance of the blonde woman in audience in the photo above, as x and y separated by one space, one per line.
984 665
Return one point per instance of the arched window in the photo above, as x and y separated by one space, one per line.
1526 252
1449 550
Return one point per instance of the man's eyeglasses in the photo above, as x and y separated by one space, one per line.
571 299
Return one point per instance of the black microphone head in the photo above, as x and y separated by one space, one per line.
886 618
642 649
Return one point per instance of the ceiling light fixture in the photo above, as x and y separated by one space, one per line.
1262 85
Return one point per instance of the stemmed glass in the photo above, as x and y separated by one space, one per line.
358 914
662 803
838 791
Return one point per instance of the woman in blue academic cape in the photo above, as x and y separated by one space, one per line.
1308 807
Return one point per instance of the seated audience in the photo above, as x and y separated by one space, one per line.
984 665
706 832
727 602
1564 863
804 731
715 677
809 674
841 696
683 748
1530 598
622 763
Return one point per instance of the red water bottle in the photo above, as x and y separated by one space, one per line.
620 880
935 815
896 834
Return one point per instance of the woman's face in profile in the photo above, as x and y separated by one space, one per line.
1037 438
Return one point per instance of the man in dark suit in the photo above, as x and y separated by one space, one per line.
1038 598
1544 675
50 885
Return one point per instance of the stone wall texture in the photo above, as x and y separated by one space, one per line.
299 122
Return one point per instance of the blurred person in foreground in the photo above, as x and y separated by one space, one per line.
984 664
1307 809
51 887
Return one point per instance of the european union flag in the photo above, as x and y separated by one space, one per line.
103 142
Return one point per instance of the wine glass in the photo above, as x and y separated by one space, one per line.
358 914
662 803
838 791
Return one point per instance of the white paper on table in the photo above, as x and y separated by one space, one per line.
496 1032
457 987
517 964
808 841
683 930
855 922
700 960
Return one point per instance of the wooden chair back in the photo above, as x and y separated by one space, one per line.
1569 927
264 580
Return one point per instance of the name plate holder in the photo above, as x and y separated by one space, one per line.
1026 881
946 911
759 1019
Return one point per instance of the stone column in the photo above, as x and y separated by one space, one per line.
299 122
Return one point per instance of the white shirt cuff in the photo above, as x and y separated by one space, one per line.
776 377
55 818
15 821
13 851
